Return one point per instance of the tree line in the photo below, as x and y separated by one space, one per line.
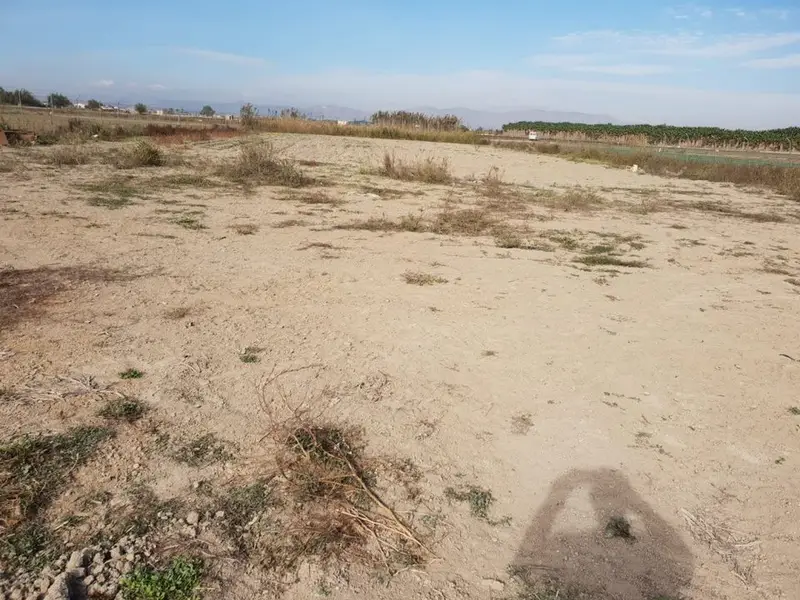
23 97
779 139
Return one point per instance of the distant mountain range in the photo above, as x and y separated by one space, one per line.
472 118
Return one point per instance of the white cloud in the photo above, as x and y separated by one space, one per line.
588 63
790 61
696 45
561 61
156 87
738 12
225 57
625 69
781 14
103 83
688 11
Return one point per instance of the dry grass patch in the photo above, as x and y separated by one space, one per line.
320 245
190 223
34 471
602 259
323 493
466 221
775 268
9 164
67 156
729 210
177 313
419 278
411 222
124 408
113 192
576 199
290 223
387 193
183 180
260 163
142 154
510 239
245 228
426 170
314 197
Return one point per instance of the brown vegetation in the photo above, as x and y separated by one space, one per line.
427 170
260 163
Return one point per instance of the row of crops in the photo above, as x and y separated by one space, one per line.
772 139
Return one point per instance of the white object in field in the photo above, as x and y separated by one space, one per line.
635 169
532 135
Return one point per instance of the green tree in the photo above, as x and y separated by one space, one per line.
207 111
22 96
58 101
93 104
140 108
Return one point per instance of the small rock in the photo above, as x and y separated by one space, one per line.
16 594
220 514
41 584
99 558
112 589
494 584
190 532
100 579
193 518
130 557
78 573
115 553
58 590
98 568
76 559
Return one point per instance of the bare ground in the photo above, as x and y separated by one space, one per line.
575 392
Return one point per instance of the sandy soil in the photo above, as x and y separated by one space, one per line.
574 393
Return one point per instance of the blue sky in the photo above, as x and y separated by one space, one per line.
730 64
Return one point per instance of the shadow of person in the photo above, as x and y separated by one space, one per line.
595 537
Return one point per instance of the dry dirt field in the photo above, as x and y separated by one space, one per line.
525 379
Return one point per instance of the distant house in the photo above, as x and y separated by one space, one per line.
341 122
79 105
159 112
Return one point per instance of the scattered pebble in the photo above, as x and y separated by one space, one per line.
97 569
